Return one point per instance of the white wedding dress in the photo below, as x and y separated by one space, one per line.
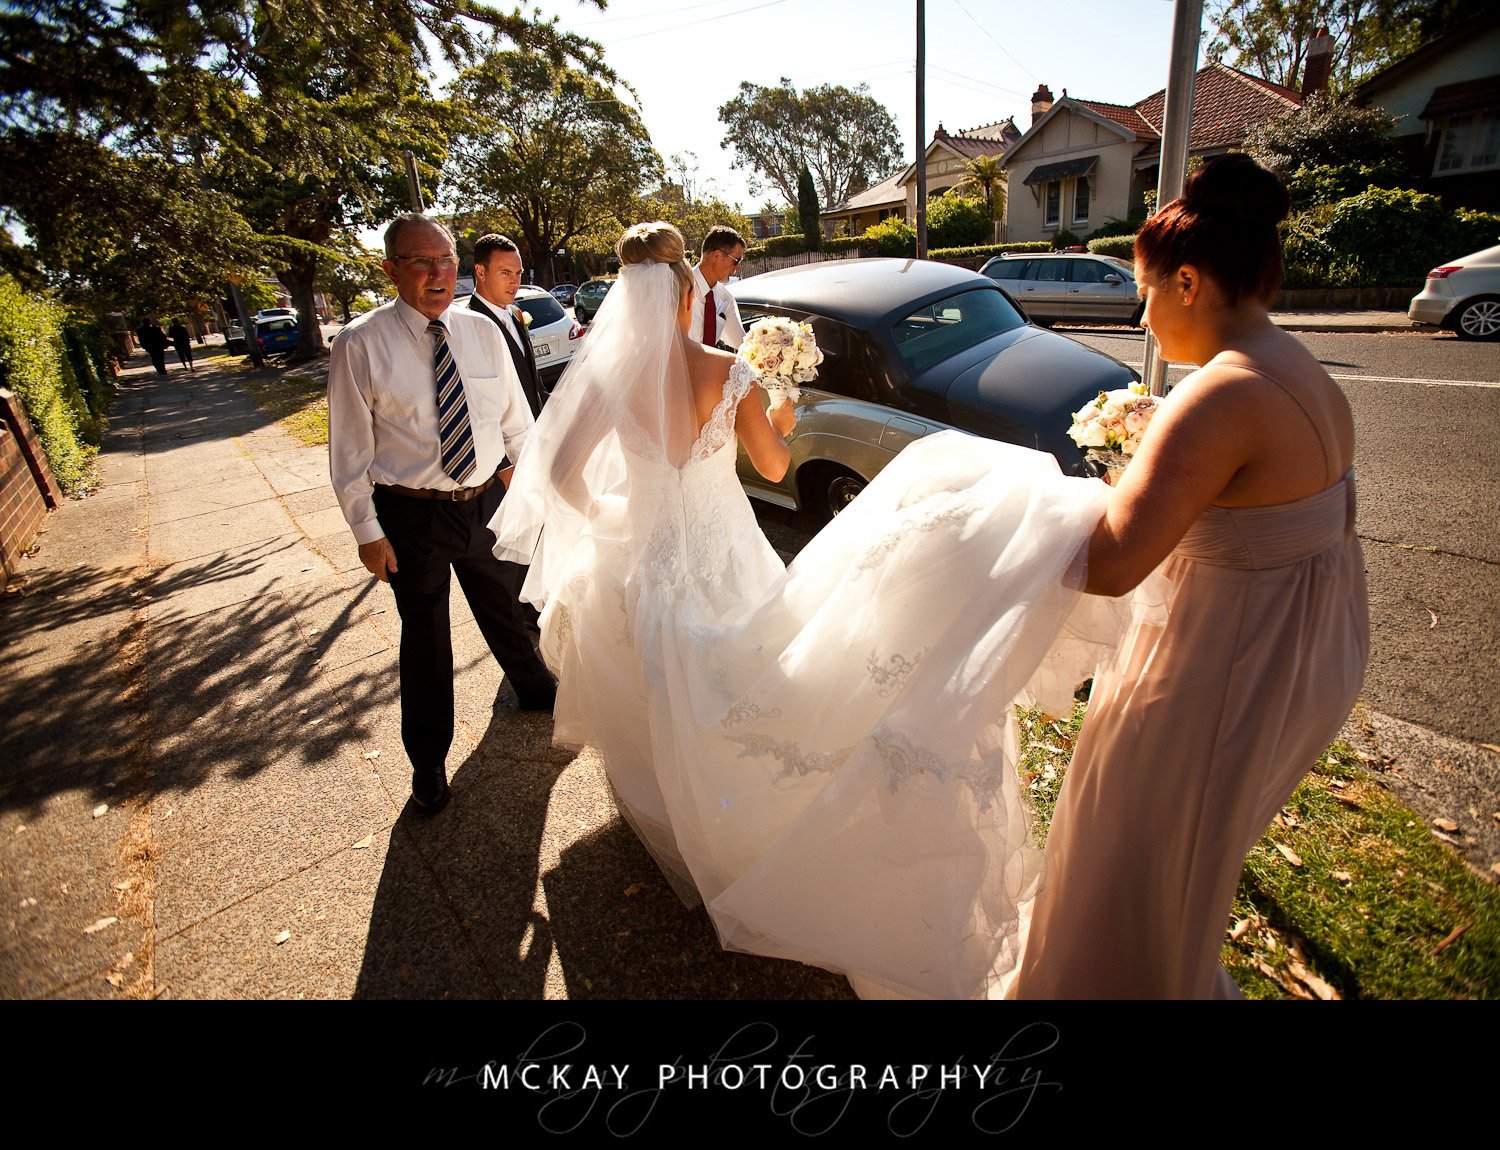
826 754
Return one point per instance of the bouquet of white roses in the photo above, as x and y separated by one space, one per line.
1110 427
783 353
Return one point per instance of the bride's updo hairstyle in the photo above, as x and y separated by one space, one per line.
656 242
1224 225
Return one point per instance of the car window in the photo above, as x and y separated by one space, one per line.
851 364
943 329
277 324
1049 271
1087 271
542 309
1008 269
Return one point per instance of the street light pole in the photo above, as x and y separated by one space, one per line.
1177 118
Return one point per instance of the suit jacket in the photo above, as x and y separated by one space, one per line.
524 357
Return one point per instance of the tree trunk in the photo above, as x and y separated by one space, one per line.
298 281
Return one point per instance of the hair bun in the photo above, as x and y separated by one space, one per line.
1234 188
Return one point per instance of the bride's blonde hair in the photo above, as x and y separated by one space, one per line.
658 242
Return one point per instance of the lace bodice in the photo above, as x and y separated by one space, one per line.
718 430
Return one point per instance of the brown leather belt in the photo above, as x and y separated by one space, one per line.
453 495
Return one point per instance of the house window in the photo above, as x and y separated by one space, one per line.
1053 213
1469 142
1081 201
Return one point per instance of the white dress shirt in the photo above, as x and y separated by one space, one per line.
382 406
731 330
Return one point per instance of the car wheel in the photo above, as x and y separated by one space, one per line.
831 489
1478 319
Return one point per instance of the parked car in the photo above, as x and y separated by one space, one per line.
1463 296
275 313
911 347
1053 286
280 333
234 340
586 302
564 293
554 334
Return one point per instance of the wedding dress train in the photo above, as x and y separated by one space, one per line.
826 754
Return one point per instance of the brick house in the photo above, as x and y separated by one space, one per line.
1085 162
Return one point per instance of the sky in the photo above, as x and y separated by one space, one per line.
984 60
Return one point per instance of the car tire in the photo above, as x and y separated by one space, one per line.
830 489
1478 319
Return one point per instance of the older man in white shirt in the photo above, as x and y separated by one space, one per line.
423 405
716 317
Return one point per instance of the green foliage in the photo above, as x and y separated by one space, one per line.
550 148
1381 237
1117 228
844 136
1323 132
984 251
34 364
1329 183
1122 247
358 271
892 237
984 179
807 210
954 221
85 351
1063 238
841 244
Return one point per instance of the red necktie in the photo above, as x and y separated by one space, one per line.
710 319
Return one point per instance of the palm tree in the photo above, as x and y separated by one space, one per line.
982 174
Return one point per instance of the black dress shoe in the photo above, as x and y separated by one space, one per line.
537 699
430 791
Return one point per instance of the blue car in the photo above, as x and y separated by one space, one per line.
278 335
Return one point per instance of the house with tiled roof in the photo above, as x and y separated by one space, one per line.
946 158
1445 98
1085 162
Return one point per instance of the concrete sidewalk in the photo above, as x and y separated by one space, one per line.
1334 320
205 793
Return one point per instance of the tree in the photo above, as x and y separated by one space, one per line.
548 147
692 219
1270 37
807 210
346 279
844 136
983 176
290 116
955 221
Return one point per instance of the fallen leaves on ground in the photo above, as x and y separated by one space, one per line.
370 756
1290 855
283 936
1342 876
100 925
636 888
100 809
364 842
1453 936
1443 824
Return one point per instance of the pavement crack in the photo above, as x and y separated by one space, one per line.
1427 550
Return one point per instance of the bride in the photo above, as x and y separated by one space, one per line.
823 754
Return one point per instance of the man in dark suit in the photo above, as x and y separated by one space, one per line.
497 278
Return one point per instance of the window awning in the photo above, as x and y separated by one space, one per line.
1465 96
1065 170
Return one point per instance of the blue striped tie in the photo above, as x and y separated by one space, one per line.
453 409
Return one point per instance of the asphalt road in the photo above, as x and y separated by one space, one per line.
1427 418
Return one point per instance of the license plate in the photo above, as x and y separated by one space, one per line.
541 349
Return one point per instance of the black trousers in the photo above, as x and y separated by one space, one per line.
432 540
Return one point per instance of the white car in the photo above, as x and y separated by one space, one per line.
554 333
1463 296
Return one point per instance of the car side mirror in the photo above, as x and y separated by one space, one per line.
1112 278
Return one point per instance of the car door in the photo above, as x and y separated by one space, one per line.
1044 291
1098 290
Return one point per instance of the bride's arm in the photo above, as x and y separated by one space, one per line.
764 435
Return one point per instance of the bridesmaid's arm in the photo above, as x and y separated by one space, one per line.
1199 439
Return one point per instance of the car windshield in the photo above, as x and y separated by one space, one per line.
941 330
542 309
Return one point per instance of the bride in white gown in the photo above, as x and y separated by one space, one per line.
825 754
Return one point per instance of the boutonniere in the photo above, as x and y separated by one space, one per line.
522 316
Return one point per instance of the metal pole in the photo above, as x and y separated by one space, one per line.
921 129
413 188
1177 118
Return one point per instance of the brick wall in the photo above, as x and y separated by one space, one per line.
27 489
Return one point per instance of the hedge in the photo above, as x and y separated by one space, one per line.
34 364
1122 247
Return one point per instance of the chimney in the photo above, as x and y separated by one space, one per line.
1319 64
1041 101
941 133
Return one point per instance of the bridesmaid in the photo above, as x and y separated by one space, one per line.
1243 491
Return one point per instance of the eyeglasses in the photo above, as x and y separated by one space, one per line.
427 264
735 260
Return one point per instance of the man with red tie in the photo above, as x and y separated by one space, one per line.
716 317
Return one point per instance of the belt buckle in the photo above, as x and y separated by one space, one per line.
457 494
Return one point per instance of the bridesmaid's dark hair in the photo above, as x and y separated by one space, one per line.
1224 225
